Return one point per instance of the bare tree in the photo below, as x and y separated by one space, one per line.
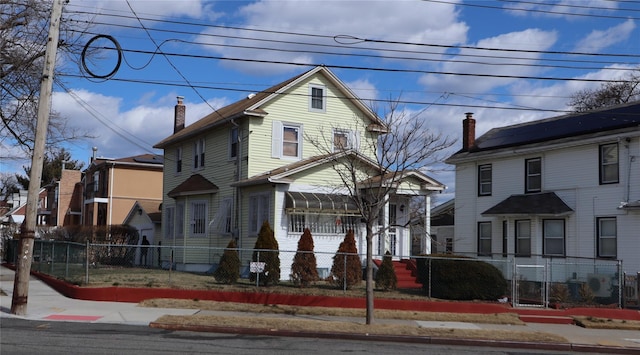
23 37
625 90
406 146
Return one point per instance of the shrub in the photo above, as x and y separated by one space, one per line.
266 251
454 278
586 294
386 276
353 273
304 269
560 293
228 271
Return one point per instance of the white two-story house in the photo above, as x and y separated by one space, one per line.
562 187
272 156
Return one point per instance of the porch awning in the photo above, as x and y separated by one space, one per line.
316 202
546 203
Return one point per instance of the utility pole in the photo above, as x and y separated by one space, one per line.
27 230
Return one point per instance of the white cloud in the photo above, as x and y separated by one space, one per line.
508 63
598 40
396 21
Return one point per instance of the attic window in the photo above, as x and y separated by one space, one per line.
317 98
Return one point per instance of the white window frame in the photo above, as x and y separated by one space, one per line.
198 213
603 237
531 176
548 238
180 219
314 98
170 219
606 163
352 137
484 238
198 154
259 211
278 141
484 183
234 142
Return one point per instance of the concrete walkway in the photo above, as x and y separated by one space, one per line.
45 304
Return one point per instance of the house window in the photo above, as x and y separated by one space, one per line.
609 173
341 140
258 211
198 154
484 238
317 98
505 238
233 142
523 238
553 237
448 246
484 180
286 140
199 218
322 223
607 237
96 181
533 175
169 218
179 160
179 220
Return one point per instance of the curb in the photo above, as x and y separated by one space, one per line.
400 339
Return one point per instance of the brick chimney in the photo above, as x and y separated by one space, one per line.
178 123
468 132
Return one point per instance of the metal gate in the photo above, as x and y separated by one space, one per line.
529 286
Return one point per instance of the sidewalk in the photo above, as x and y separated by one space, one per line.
46 304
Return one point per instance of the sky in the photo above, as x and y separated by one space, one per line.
506 61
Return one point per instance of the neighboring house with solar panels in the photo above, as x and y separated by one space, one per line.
562 187
255 161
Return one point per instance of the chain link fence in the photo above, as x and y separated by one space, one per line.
563 282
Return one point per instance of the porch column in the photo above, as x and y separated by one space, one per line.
426 237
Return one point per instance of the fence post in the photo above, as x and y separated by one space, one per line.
344 275
86 272
66 262
53 254
620 283
514 283
257 269
430 277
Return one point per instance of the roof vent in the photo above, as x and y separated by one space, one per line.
251 96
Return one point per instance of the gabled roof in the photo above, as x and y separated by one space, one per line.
622 117
544 203
282 174
151 208
395 177
195 184
252 106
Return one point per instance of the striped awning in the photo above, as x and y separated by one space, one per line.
326 203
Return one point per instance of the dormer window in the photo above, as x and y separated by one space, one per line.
317 98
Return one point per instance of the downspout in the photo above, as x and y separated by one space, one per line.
236 193
112 177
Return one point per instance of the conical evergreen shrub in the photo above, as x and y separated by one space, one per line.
352 275
304 269
386 279
228 270
266 251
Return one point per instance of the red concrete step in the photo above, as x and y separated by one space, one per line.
406 274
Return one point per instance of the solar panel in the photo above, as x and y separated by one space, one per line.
560 127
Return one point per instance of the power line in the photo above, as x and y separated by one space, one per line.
408 102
